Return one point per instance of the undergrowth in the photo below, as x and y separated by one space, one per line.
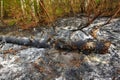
30 13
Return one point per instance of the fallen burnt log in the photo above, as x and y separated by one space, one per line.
86 46
25 42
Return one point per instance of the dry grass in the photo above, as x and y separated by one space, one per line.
49 10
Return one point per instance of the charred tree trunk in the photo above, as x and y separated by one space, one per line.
87 46
25 42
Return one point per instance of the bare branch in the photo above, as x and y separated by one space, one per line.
88 23
108 21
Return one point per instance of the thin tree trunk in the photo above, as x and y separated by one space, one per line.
38 6
23 7
33 8
38 9
1 16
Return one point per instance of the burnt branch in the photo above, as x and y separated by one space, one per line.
94 31
89 22
108 21
94 18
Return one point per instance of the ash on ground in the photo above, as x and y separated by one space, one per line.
28 63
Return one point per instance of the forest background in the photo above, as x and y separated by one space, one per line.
32 13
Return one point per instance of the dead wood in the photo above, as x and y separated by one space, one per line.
86 46
113 16
82 26
25 42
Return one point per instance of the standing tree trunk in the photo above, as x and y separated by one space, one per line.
1 14
23 6
33 10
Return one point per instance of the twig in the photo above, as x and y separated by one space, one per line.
94 31
108 21
93 19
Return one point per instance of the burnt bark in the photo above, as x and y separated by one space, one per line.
25 42
86 46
